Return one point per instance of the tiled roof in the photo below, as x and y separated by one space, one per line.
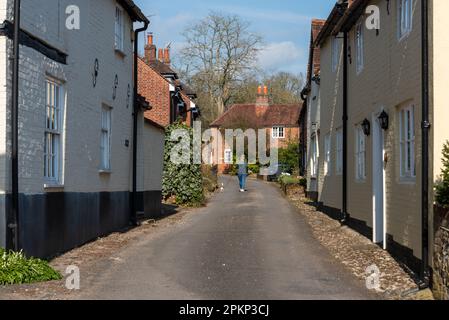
188 91
256 116
162 68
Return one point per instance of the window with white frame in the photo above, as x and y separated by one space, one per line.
339 152
327 155
278 132
359 43
407 142
228 156
105 145
119 29
405 14
335 53
360 153
314 156
53 132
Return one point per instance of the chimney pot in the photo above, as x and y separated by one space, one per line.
150 39
262 96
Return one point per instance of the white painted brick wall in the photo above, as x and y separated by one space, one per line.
95 39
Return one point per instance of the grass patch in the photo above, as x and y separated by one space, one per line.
15 268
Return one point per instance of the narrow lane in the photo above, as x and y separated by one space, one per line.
251 245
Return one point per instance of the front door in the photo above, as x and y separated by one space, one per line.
379 234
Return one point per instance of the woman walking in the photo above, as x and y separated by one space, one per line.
242 173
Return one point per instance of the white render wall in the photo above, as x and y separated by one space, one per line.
95 39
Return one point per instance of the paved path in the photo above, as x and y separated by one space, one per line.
241 246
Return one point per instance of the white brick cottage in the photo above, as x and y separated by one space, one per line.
75 122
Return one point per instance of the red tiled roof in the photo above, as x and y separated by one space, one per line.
255 116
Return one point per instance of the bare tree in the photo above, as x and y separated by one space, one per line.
219 51
284 88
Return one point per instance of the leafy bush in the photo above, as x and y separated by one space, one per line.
210 178
182 182
15 268
289 156
442 189
286 180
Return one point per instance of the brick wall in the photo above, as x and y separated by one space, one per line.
156 91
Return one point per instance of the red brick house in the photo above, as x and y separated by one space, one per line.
169 99
159 84
280 120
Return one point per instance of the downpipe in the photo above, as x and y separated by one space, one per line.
14 209
344 207
425 127
133 209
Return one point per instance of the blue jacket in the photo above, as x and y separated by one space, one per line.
243 169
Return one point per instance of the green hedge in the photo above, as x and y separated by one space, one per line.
15 268
183 182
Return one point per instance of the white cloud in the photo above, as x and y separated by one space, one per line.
280 56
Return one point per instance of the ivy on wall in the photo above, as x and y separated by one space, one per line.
183 183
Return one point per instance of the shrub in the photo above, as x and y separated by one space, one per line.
289 156
15 268
183 182
442 189
286 180
210 178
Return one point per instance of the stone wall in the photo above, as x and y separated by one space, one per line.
441 255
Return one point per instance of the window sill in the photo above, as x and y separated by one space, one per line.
120 53
404 36
53 186
104 171
407 181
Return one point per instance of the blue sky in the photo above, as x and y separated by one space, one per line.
284 24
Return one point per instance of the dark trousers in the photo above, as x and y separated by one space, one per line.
242 181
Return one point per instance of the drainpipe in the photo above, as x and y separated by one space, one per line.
133 213
425 274
14 226
344 209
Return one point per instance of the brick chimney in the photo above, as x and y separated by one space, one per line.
167 60
262 96
160 55
150 49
